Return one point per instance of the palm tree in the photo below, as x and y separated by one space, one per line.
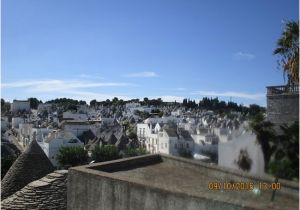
288 49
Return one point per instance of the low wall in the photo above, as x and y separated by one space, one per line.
89 188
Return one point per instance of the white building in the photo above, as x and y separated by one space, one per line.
164 120
27 133
18 105
132 105
77 127
55 140
158 139
16 121
44 107
4 123
74 116
242 142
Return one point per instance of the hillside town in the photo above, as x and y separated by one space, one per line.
150 105
178 129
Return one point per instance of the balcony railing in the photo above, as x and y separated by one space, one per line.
286 89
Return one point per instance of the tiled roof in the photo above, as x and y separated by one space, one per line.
49 192
171 132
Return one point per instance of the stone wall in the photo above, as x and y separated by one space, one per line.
91 188
283 108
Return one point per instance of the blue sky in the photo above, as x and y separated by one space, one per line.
172 49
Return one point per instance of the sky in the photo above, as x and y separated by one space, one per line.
169 49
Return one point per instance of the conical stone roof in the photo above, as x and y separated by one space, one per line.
31 165
49 192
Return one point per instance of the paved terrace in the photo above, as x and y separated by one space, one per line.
185 179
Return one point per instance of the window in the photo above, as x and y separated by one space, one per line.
181 145
162 145
166 145
156 141
187 145
175 146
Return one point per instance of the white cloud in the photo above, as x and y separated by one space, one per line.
180 89
58 85
88 96
255 96
143 74
90 76
243 56
168 98
70 89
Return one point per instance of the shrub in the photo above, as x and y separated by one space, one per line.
185 153
72 156
131 152
105 153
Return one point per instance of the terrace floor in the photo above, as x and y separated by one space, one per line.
194 181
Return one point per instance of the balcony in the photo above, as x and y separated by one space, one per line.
283 90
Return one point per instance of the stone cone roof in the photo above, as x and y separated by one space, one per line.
49 192
31 165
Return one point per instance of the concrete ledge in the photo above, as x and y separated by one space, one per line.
166 182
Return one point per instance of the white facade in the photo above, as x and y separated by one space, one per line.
176 113
132 105
76 127
42 107
229 152
16 121
158 140
17 106
163 120
74 116
4 123
55 141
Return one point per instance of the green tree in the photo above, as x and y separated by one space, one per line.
34 102
146 101
93 103
105 153
265 134
5 106
72 156
285 159
131 152
288 49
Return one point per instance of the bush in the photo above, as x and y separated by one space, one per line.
283 169
105 153
72 156
131 152
185 153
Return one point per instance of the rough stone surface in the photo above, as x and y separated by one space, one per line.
169 183
49 192
283 108
31 165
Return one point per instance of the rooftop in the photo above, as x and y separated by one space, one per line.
284 89
191 178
